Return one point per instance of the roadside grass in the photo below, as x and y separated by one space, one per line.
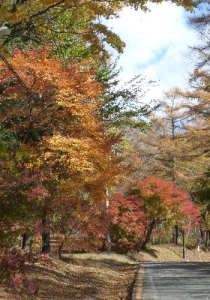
81 277
171 253
112 257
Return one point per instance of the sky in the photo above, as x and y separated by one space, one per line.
156 45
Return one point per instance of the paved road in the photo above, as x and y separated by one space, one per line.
176 281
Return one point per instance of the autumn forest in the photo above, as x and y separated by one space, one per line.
85 163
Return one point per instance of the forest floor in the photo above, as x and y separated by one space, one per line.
97 276
81 277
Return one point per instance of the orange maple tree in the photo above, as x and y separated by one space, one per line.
55 148
50 118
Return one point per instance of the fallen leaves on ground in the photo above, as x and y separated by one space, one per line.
82 277
170 252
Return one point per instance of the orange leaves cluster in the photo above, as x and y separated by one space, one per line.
59 117
53 112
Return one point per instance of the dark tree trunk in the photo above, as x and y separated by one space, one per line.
45 236
24 240
176 235
173 236
207 238
148 234
202 234
183 244
59 250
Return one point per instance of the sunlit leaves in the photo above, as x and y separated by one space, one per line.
149 203
59 132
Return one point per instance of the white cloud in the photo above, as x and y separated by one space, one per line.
155 44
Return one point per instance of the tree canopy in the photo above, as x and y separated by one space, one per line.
70 167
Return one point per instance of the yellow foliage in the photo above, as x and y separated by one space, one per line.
63 103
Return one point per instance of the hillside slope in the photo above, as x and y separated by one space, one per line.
172 253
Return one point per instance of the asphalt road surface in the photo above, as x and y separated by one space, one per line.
176 281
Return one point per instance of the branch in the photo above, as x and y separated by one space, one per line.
12 70
16 27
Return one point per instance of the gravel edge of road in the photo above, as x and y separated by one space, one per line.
137 288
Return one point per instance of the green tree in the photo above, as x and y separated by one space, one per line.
123 102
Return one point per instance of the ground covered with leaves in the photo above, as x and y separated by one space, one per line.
167 253
81 277
91 276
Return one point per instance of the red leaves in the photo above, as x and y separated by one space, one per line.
38 192
13 264
151 201
163 198
127 211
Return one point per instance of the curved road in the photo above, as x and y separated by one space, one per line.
176 281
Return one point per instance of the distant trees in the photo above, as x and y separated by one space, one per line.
177 145
147 204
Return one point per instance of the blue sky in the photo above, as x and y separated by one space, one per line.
156 45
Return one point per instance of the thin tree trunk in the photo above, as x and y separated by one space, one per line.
108 240
173 236
148 234
176 235
24 240
183 244
45 236
202 234
207 238
59 250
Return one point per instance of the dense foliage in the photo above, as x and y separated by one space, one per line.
64 150
149 204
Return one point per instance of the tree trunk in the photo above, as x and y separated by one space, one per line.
173 236
148 234
183 244
202 234
45 236
207 238
59 250
108 240
24 241
176 235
